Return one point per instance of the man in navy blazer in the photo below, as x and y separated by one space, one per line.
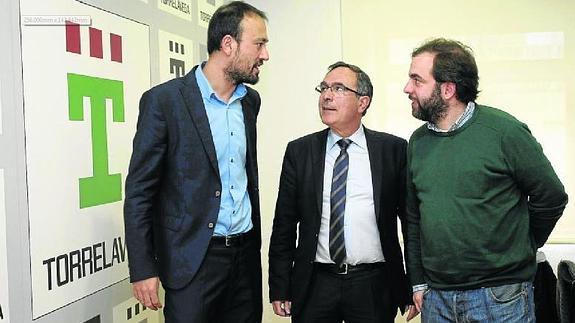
369 282
191 212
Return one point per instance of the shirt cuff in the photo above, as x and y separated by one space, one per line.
420 287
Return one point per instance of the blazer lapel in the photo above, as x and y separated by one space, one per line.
376 163
318 166
249 125
195 105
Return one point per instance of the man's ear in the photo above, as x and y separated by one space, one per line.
228 44
448 90
363 103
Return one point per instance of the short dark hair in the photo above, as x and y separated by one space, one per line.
453 62
364 86
226 21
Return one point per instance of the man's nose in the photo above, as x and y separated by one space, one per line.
407 88
265 54
327 95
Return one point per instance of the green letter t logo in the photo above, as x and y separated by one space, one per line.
102 188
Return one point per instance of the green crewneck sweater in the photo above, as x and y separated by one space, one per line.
480 201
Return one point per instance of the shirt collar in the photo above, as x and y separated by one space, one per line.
463 118
208 92
357 138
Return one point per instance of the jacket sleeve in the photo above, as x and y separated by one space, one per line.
283 238
412 236
404 297
142 185
536 179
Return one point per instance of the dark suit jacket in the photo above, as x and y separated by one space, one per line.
300 202
173 187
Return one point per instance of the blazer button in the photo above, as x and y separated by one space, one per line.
211 225
218 193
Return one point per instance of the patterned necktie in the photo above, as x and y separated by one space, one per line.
337 203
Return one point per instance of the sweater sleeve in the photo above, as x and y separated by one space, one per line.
536 179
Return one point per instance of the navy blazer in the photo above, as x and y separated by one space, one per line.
299 208
173 188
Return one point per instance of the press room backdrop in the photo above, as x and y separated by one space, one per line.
68 105
72 76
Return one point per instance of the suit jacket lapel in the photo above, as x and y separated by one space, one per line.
376 163
195 104
318 165
249 124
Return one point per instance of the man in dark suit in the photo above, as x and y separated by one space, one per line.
192 215
341 192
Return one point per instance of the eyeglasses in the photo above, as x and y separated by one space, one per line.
336 88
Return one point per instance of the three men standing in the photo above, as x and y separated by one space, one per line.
474 192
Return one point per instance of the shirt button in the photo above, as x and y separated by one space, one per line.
232 133
218 193
232 160
232 187
211 225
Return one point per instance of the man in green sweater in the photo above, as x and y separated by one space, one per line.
481 196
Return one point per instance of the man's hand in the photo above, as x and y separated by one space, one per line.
411 312
282 308
146 292
418 300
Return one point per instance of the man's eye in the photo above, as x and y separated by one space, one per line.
339 88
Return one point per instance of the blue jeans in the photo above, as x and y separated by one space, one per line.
506 303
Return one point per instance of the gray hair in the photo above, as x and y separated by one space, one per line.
364 86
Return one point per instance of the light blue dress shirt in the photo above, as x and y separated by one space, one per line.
228 132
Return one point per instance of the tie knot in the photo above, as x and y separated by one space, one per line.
344 143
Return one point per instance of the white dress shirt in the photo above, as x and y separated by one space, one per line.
362 241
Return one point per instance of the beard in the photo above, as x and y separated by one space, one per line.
431 109
240 71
